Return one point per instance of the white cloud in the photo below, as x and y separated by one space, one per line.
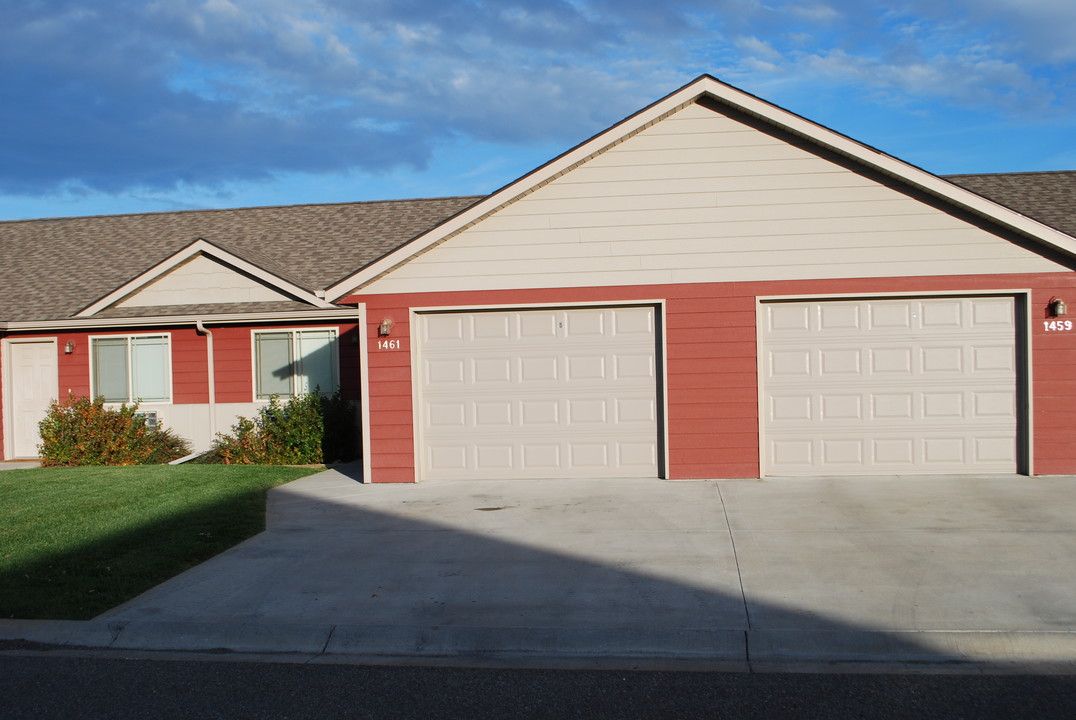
758 48
818 12
173 87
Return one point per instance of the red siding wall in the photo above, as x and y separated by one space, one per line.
233 359
712 386
190 376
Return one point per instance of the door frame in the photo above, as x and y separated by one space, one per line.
9 383
660 358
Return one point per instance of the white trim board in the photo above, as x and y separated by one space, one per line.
336 312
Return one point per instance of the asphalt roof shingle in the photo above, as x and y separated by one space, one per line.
52 269
1049 197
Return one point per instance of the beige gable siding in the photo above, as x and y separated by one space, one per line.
202 280
700 197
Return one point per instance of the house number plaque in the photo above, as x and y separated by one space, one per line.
1057 325
387 344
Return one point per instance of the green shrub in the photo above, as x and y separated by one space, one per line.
307 429
82 431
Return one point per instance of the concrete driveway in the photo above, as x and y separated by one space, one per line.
731 572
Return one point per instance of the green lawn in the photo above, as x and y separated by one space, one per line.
75 542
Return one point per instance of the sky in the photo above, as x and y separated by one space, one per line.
121 106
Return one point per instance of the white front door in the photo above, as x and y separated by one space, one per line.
31 386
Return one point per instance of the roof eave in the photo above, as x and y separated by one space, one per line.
335 312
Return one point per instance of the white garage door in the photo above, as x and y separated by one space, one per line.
908 386
538 393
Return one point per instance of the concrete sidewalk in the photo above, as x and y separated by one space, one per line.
972 572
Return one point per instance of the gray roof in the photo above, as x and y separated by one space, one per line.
52 269
1049 197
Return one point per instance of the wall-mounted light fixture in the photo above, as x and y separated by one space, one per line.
1057 307
69 347
385 328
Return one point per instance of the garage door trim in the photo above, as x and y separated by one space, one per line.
1023 370
416 314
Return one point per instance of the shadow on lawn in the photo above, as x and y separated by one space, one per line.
83 582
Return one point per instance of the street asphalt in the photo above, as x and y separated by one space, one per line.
905 573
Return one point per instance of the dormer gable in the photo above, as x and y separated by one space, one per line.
203 273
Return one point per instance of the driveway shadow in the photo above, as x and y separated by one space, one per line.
628 568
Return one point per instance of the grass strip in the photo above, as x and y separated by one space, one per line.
75 542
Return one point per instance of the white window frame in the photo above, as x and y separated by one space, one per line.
94 392
295 332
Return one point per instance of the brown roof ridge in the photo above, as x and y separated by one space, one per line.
193 211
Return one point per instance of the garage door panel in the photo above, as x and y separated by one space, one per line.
896 454
493 457
490 370
640 456
639 325
539 412
999 359
840 407
537 324
450 370
997 449
878 386
497 413
490 326
587 412
544 393
637 410
586 368
993 313
446 414
442 327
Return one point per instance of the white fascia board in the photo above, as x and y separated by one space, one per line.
335 313
204 248
745 102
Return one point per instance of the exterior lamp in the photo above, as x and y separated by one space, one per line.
385 328
1057 307
69 347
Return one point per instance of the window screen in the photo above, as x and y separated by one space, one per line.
110 369
272 357
126 369
290 362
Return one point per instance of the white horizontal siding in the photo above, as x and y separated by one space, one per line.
566 187
199 281
191 421
699 197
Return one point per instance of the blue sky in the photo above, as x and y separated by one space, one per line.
116 106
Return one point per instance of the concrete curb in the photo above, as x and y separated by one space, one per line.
217 637
930 646
712 645
766 650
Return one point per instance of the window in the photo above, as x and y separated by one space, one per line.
130 368
293 362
